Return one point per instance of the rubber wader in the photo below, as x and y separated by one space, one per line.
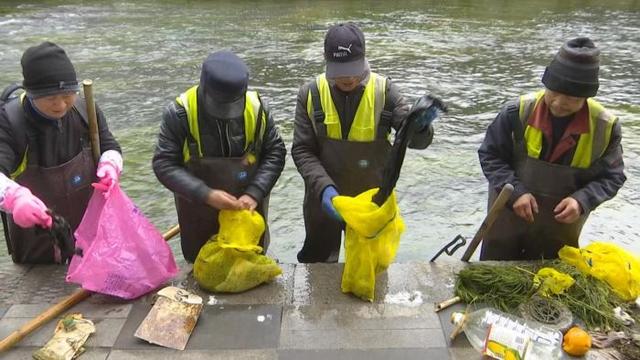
512 238
354 167
65 189
198 222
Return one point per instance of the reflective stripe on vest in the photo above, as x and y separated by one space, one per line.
189 101
591 146
365 122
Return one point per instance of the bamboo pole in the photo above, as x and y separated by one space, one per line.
43 318
94 136
57 309
445 304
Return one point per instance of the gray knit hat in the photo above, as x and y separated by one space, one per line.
574 69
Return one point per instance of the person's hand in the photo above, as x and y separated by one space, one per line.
222 200
525 207
425 119
107 177
108 172
425 110
567 211
327 205
26 208
248 203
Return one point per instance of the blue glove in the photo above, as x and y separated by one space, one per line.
426 117
327 206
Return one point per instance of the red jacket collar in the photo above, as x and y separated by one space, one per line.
541 119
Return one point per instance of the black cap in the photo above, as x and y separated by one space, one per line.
344 51
47 70
223 82
574 69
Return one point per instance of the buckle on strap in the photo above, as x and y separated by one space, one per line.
386 115
318 116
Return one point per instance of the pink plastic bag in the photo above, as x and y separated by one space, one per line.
123 254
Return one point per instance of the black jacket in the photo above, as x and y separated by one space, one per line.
305 150
496 155
54 142
219 138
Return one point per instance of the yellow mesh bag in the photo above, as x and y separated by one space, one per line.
609 263
552 282
371 241
231 261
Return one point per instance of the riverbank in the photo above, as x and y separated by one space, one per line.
301 315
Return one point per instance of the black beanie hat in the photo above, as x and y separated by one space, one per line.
574 69
47 70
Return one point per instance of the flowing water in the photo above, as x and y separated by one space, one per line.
476 55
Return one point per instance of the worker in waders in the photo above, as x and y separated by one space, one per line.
561 151
218 148
45 155
343 120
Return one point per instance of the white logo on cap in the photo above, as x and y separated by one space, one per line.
342 51
345 48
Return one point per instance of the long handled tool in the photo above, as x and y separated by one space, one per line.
94 136
488 221
57 309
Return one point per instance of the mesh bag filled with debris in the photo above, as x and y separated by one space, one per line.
371 241
232 261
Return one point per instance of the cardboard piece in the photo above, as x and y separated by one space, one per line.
171 319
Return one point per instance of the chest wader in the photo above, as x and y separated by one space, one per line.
64 188
511 237
198 222
354 166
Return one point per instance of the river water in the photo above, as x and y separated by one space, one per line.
476 55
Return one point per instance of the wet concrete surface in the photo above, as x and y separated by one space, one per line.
220 327
301 315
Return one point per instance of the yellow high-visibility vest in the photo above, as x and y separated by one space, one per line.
591 146
367 118
189 101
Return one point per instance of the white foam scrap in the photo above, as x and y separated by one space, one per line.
413 298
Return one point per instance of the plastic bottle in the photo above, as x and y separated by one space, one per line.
505 336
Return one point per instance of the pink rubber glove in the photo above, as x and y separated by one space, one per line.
108 173
26 208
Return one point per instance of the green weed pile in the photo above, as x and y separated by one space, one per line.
502 287
507 286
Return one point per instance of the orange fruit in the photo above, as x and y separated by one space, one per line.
576 342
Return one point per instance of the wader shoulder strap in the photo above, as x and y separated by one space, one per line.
81 108
318 113
15 115
192 144
258 137
519 145
387 110
8 92
17 121
384 125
